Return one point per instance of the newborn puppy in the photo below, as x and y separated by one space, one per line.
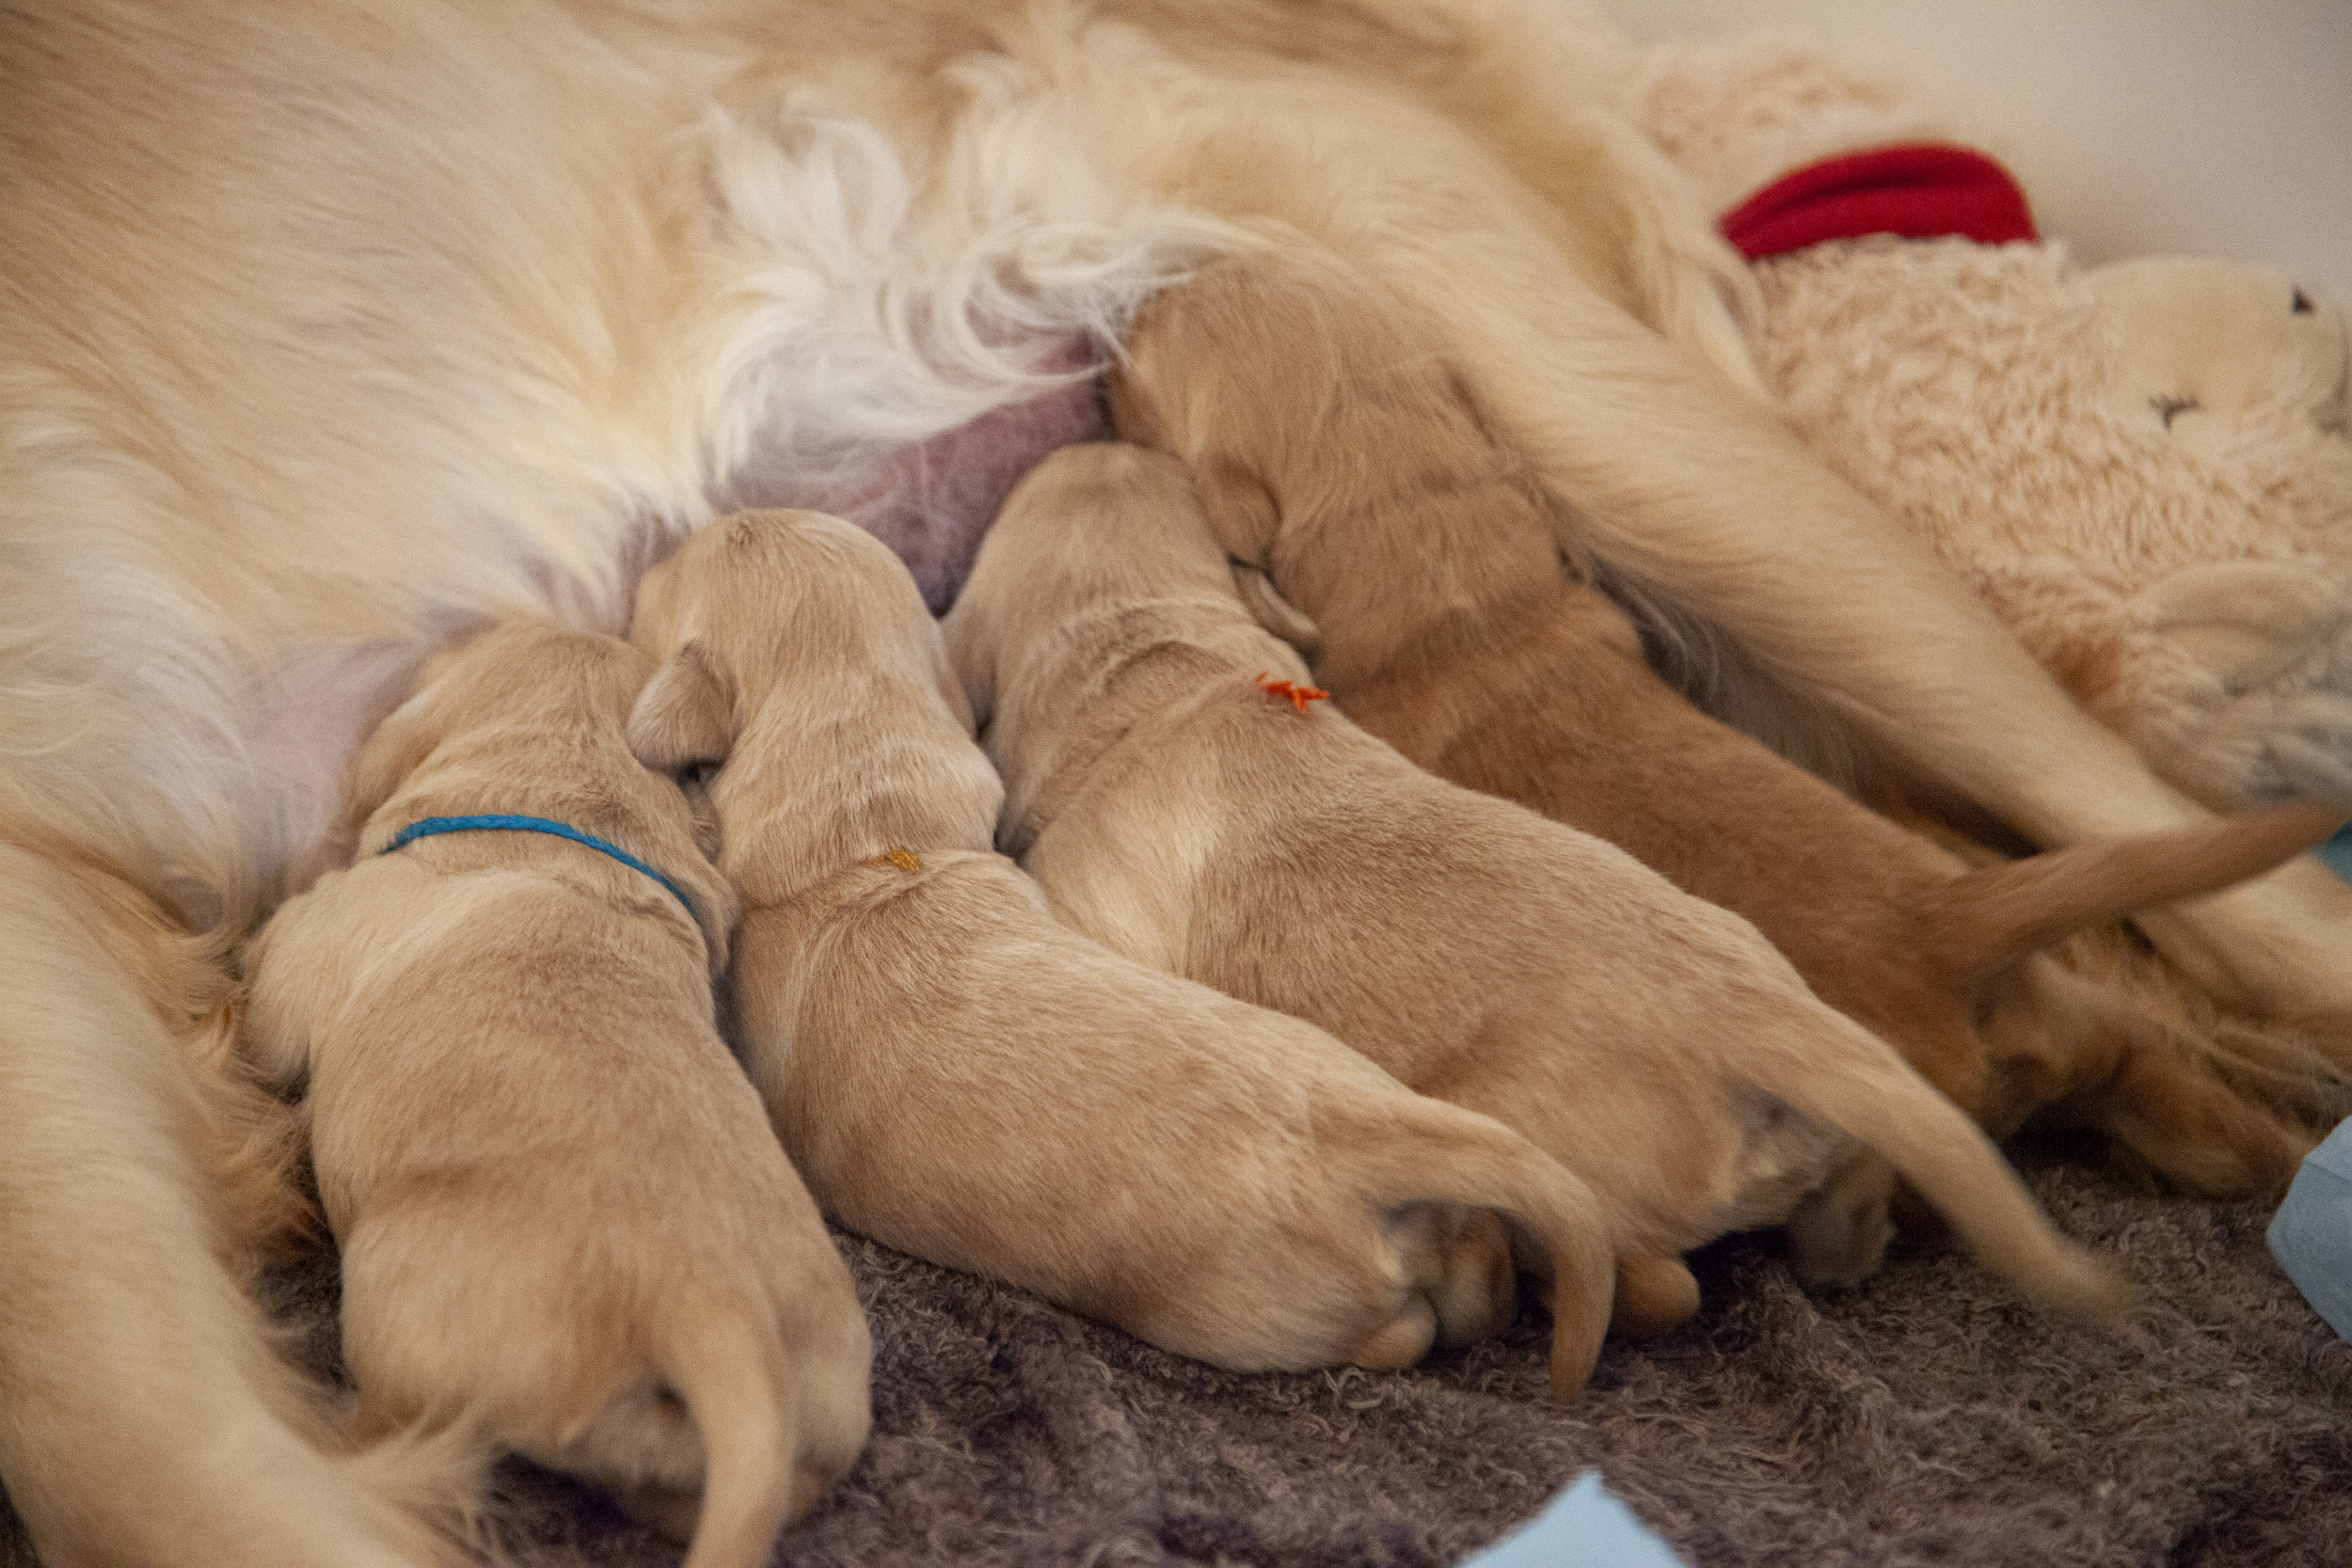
1408 553
963 1078
565 1220
1179 794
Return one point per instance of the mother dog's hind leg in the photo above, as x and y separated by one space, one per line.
143 1418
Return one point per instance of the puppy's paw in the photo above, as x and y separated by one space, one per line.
1478 1295
1654 1295
1838 1236
1401 1341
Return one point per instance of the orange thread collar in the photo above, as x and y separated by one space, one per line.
1300 694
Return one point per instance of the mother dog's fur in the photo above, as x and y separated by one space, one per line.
327 332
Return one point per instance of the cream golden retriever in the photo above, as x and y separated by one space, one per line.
330 332
1176 788
963 1077
564 1223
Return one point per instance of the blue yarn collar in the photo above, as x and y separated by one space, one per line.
432 827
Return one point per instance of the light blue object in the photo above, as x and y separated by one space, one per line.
2312 1235
2337 852
1583 1528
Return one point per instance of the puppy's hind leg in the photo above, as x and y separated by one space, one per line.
2120 1073
1399 1342
132 1366
1432 1152
728 1375
1829 1068
769 1439
1654 1293
1838 1236
1477 1291
1459 1264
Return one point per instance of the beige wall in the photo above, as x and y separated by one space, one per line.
2217 127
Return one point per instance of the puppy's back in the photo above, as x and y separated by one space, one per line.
528 1131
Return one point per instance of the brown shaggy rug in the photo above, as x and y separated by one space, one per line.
1923 1418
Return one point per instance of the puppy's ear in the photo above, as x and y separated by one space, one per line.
654 617
971 657
1274 613
1241 508
684 715
406 735
397 749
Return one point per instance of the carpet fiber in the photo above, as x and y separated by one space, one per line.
1923 1418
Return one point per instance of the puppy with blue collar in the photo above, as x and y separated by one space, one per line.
565 1224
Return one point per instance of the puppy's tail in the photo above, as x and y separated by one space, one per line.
1830 1068
727 1370
1439 1152
1992 918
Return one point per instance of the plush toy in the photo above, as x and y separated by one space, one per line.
2143 467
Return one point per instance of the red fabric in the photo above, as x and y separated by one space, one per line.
1919 191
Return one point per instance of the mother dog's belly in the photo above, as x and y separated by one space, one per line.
383 400
929 500
932 501
196 724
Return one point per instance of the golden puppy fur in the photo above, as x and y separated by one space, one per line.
336 330
1405 544
963 1078
565 1222
1266 845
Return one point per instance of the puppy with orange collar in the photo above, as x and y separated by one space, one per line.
1398 538
565 1220
1185 815
963 1077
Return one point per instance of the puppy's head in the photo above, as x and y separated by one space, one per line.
1337 449
1234 371
1090 528
531 718
456 690
761 600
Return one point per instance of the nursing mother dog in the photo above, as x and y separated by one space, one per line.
328 334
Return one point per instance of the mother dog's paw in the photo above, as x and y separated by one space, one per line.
2245 622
